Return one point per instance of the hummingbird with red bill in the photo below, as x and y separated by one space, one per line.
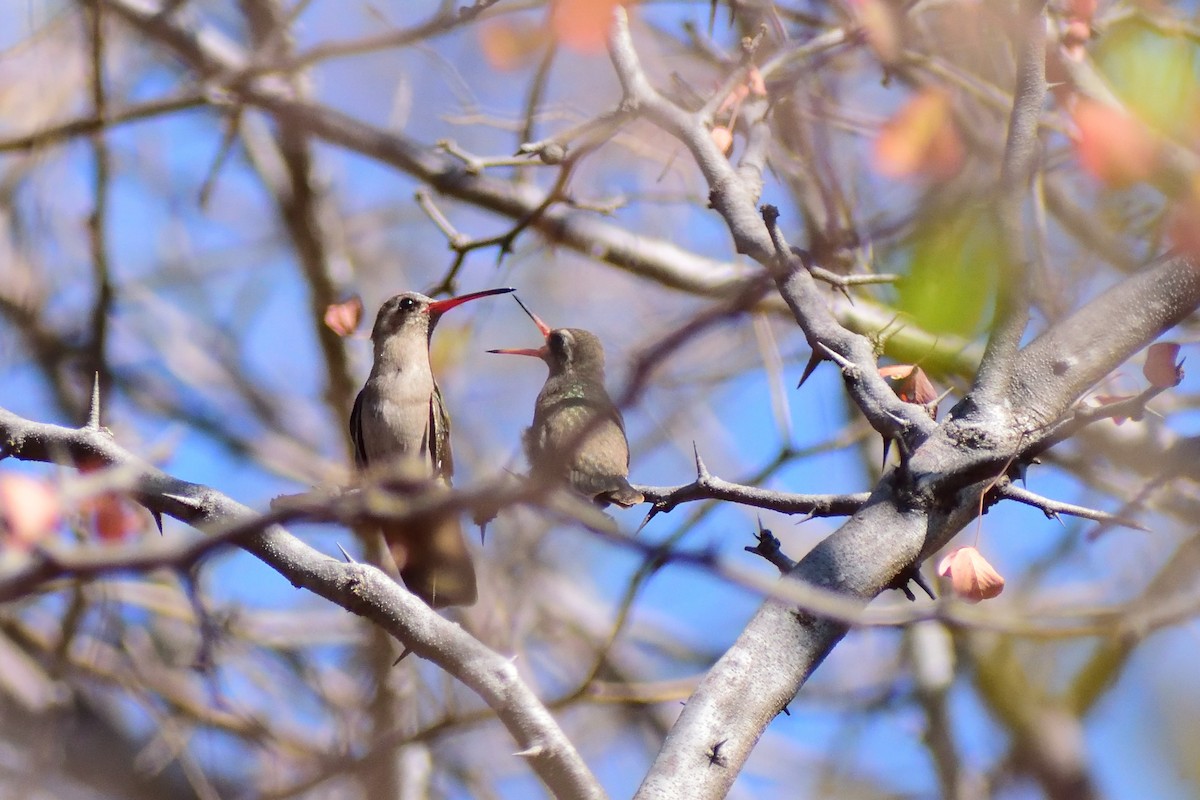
399 421
578 434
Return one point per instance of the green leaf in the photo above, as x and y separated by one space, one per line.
952 273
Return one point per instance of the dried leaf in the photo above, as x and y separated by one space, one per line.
1115 147
29 509
755 83
912 384
344 318
920 139
1075 37
1079 27
582 25
113 517
971 576
723 138
1160 368
509 44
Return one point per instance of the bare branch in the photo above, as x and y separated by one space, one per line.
1020 161
359 588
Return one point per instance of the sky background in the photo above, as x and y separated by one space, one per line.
169 255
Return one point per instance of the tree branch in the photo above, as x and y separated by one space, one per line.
359 588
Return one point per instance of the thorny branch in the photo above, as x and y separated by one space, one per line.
362 589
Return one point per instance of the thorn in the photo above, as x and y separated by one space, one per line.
1022 469
911 574
93 420
649 516
483 532
157 520
531 752
349 558
715 759
403 655
1054 515
786 711
919 580
844 363
701 470
813 361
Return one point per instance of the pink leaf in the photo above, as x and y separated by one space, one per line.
1112 145
582 25
722 138
971 576
113 517
912 384
1160 368
29 509
920 139
343 318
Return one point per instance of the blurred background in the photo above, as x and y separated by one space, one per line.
158 230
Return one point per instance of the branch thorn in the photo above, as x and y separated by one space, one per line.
93 419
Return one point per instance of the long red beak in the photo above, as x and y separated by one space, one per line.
541 326
439 307
522 351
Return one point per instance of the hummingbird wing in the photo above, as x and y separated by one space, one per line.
440 453
356 431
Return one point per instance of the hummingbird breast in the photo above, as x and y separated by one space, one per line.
396 419
597 464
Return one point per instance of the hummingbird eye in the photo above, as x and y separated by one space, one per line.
407 304
560 343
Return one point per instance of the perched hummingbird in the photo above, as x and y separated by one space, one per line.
399 419
573 400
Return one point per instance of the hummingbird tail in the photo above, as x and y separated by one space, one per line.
434 561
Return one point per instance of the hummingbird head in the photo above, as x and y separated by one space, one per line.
574 349
414 314
566 349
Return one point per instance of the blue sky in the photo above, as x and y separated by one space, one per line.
249 279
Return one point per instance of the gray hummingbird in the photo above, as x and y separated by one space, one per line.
573 400
399 419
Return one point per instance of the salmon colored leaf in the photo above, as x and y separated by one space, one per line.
920 139
344 318
912 384
1161 368
29 509
582 25
1112 145
971 576
509 44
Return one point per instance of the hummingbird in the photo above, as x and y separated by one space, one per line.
573 400
399 419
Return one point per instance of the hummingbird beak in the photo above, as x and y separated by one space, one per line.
540 352
541 326
439 307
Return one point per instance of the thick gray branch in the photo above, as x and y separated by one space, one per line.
359 588
1020 162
